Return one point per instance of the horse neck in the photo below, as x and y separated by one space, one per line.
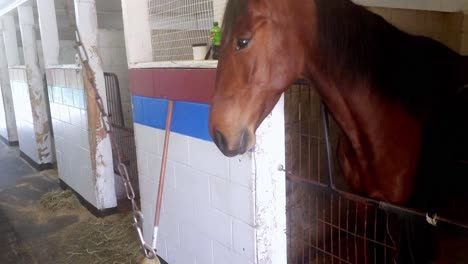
299 16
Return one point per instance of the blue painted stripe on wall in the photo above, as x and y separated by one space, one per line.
190 119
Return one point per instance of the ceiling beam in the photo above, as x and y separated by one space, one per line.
12 6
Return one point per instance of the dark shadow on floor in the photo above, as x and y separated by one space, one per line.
12 167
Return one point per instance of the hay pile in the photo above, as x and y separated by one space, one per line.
59 200
91 240
109 240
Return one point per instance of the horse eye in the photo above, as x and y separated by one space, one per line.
242 44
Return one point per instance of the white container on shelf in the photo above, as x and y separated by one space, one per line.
199 51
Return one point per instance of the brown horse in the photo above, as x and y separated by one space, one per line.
390 92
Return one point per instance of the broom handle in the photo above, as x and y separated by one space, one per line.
162 173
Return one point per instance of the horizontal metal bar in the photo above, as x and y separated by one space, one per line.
388 207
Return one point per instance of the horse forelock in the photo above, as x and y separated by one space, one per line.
234 10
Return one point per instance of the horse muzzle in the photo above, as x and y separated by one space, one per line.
234 147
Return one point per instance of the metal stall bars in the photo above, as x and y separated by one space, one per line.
326 222
123 136
114 100
325 226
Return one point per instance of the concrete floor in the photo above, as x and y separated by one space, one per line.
20 187
31 234
13 168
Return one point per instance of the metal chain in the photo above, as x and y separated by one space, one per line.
138 219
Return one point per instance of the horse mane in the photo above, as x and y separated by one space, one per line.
234 10
357 44
346 33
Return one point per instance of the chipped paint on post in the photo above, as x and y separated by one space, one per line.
270 189
100 145
35 81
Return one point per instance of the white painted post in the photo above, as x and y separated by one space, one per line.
101 151
270 189
219 7
49 31
7 96
37 93
10 40
137 31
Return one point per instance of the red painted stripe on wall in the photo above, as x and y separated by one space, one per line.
190 85
141 82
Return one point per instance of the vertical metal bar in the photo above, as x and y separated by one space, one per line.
385 240
309 144
303 247
331 228
310 227
300 135
316 228
319 157
326 129
339 228
347 229
365 234
356 220
289 236
376 214
323 226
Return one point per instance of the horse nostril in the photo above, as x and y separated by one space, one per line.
240 148
220 140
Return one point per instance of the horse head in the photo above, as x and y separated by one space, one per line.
260 57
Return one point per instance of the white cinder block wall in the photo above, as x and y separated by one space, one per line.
23 113
69 120
216 210
207 213
114 60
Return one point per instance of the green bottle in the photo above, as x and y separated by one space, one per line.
215 40
215 34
